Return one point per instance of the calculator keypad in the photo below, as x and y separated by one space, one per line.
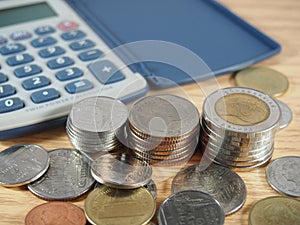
54 56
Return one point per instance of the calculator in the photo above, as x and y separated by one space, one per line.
49 59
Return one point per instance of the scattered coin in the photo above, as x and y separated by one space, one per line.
163 128
283 175
93 128
105 205
220 182
22 164
263 79
150 186
123 171
238 127
56 213
286 114
190 207
68 177
275 210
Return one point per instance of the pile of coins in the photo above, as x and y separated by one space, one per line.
238 127
95 123
163 129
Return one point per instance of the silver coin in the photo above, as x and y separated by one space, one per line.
123 171
283 175
22 164
286 114
98 114
68 177
191 207
150 186
164 116
220 182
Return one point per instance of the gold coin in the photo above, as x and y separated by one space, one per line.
263 79
242 109
105 205
275 210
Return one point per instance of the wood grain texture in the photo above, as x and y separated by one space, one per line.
280 20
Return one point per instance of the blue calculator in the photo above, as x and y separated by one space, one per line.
49 59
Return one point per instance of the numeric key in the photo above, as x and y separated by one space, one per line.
6 90
19 59
51 51
60 62
11 104
27 70
35 82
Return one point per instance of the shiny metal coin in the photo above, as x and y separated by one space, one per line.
286 114
68 177
283 175
220 182
150 186
163 116
123 171
22 164
106 205
263 79
275 210
190 207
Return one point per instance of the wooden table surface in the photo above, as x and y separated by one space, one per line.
280 20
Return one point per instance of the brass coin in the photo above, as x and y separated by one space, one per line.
263 79
242 109
105 205
275 210
56 213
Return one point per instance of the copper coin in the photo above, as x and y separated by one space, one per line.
50 213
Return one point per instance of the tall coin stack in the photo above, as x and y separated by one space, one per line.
95 123
163 129
238 127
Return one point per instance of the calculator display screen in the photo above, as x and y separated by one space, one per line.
25 13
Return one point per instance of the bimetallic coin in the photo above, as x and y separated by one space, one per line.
263 79
106 205
68 177
268 111
220 182
286 114
283 175
56 213
22 164
163 116
123 171
275 210
191 207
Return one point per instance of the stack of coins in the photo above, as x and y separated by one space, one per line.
163 129
95 123
238 127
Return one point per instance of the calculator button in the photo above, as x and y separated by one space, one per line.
72 35
80 45
45 95
19 59
3 40
90 55
35 82
20 35
106 72
43 41
3 78
67 25
51 51
79 86
69 74
12 48
60 62
44 30
27 70
11 104
6 90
